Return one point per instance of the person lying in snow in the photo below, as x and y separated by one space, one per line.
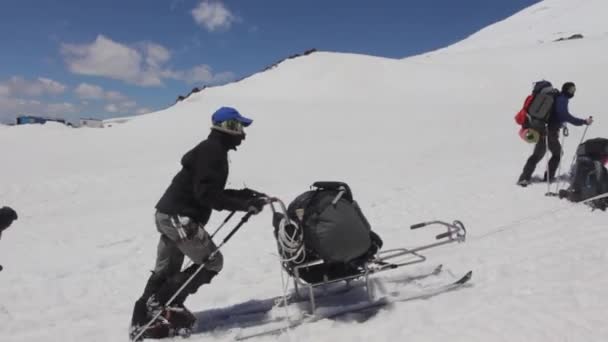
182 212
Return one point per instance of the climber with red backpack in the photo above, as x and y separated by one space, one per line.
545 112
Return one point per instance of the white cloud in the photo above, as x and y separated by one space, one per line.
143 64
107 58
16 98
111 108
11 107
86 91
89 91
49 86
61 108
18 86
121 107
200 74
156 54
114 96
213 15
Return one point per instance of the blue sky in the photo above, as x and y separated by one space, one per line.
86 58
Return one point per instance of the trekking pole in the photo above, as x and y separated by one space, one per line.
232 232
579 144
561 153
547 158
223 223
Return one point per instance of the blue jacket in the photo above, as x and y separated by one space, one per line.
561 114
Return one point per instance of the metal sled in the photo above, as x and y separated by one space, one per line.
383 261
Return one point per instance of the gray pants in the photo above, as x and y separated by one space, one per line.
171 249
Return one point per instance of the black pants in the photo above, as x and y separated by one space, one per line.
539 152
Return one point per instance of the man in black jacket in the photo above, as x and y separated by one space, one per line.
183 211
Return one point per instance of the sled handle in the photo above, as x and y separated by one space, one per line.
456 230
443 235
419 225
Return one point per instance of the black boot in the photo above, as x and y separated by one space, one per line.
140 310
170 287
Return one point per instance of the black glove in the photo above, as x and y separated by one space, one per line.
7 216
247 193
255 205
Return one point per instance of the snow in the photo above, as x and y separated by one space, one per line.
541 23
428 137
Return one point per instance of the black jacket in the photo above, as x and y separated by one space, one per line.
199 186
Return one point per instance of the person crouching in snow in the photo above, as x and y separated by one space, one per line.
182 212
559 116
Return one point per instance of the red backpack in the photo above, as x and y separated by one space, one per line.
538 105
520 117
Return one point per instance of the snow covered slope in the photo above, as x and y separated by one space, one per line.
422 138
543 22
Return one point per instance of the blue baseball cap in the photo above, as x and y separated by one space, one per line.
229 113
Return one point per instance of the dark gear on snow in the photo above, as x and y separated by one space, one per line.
334 229
589 175
7 216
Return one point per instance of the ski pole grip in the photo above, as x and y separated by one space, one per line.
443 235
418 225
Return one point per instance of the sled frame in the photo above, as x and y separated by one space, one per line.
383 261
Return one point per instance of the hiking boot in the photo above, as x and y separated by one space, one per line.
180 316
523 183
157 330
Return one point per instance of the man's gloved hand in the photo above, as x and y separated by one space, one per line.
255 205
7 216
589 120
244 194
250 194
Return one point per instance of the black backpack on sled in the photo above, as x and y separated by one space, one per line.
329 226
589 176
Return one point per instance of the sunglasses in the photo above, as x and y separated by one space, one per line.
232 126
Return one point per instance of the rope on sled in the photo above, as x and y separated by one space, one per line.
290 245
